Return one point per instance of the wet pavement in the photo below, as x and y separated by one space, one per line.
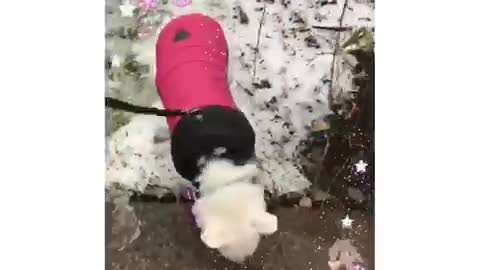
169 240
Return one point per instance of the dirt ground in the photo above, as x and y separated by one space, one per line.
169 240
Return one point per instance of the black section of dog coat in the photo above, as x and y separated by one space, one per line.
214 131
181 35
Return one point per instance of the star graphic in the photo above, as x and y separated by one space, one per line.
361 166
183 3
357 266
116 61
127 9
347 223
148 4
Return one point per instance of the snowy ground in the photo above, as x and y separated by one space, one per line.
283 86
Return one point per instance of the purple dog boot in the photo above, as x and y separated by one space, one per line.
188 194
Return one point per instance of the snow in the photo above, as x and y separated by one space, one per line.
139 155
298 73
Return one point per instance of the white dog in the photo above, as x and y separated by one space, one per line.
231 211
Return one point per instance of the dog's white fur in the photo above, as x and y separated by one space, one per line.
231 210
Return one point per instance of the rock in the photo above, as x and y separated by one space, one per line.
305 202
320 195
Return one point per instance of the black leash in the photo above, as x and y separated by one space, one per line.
124 106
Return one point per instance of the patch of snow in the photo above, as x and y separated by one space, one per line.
139 155
295 63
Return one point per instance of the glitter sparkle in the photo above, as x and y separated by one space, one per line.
148 4
361 166
347 223
357 266
183 3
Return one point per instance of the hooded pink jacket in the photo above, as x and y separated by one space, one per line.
192 65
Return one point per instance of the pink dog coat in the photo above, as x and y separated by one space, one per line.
192 65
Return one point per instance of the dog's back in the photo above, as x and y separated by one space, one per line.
191 75
192 64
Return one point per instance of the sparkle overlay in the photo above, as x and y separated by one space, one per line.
148 4
347 223
361 166
357 266
183 3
